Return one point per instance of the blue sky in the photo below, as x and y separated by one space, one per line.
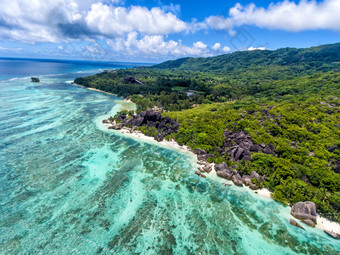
155 31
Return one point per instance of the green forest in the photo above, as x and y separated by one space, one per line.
287 98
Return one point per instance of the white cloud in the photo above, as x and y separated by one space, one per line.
37 21
115 21
156 46
200 45
216 46
257 48
82 25
285 15
62 20
226 49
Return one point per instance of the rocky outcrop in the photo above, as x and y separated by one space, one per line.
205 156
131 80
253 186
226 172
237 179
35 79
309 223
332 234
246 180
120 117
255 175
334 162
239 145
207 168
199 151
149 118
304 211
139 121
153 116
333 148
294 223
223 171
337 166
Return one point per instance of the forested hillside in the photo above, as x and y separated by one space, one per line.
286 100
288 60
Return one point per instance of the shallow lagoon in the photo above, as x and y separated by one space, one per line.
68 186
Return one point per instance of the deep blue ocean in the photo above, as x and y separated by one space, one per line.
70 186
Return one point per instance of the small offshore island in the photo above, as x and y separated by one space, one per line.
264 119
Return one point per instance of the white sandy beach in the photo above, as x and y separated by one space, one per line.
75 84
128 101
142 137
326 224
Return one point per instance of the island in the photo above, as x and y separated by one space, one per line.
35 79
264 119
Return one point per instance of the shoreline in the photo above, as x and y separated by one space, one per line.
98 90
326 224
322 223
140 136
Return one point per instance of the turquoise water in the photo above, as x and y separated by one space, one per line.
70 186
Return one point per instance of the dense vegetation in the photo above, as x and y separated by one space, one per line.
282 63
302 131
287 98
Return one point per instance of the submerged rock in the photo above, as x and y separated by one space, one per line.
201 169
294 223
207 168
304 211
309 223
